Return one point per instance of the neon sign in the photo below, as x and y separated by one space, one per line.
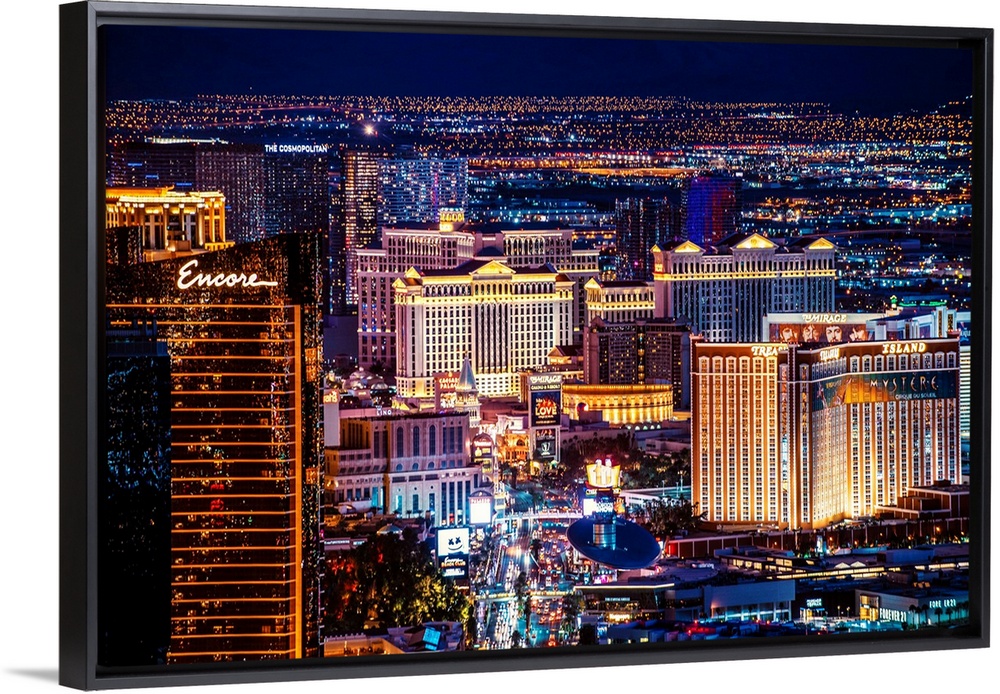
187 278
768 350
824 317
904 348
829 354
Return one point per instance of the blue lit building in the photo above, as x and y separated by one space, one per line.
711 207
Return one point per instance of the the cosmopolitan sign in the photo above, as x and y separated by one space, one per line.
295 149
188 276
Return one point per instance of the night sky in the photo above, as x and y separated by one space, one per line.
179 62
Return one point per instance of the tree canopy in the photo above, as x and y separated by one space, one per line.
390 580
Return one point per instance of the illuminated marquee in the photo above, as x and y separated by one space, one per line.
545 399
187 278
295 149
768 350
450 215
602 474
829 354
824 317
904 348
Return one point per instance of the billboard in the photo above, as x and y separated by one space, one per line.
453 551
445 385
483 452
545 399
856 389
545 445
480 508
830 333
598 501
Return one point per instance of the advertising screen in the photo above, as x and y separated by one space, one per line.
453 552
545 399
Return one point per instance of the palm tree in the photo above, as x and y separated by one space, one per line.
937 613
913 610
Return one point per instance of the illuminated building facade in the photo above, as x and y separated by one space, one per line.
358 211
652 351
445 246
268 189
640 224
435 247
238 172
711 207
620 405
900 324
172 223
619 301
296 189
532 245
153 163
243 334
507 320
414 189
725 292
413 465
799 437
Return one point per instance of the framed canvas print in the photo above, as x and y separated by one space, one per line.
439 342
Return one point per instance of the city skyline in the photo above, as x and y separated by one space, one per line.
500 264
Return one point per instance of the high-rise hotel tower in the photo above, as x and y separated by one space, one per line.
724 292
797 437
243 335
505 319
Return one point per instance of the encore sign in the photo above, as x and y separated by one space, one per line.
187 278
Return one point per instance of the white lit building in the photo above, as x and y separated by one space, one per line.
413 465
445 246
619 301
172 223
724 291
507 320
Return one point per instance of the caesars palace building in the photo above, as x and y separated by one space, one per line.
804 436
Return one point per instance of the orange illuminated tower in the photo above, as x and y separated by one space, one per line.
243 334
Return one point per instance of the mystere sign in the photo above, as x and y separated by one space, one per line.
862 388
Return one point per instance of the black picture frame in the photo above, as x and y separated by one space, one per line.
81 329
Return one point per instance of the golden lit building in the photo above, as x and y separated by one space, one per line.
506 320
724 291
172 223
243 333
445 246
620 405
619 301
803 437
